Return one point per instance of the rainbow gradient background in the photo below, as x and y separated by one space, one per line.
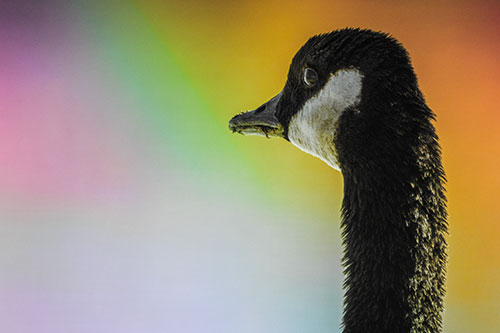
126 205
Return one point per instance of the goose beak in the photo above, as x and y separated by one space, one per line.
261 121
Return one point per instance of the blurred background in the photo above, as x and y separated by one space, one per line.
126 205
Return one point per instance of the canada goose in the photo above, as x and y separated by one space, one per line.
352 99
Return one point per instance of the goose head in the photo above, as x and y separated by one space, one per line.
344 100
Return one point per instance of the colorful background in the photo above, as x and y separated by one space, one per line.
126 205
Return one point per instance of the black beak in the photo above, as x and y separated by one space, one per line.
261 121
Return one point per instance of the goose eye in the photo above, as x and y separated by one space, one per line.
310 76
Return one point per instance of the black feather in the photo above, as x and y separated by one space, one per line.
394 207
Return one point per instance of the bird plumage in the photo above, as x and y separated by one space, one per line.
380 135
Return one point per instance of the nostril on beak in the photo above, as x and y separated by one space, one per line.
261 108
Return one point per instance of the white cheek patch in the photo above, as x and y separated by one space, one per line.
312 129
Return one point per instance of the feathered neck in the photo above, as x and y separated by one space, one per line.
394 222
